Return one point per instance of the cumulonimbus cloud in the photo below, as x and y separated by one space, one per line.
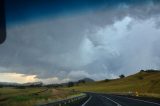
103 43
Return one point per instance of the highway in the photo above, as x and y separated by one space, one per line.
96 99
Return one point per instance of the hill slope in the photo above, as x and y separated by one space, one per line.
143 82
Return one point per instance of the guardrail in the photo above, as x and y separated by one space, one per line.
64 101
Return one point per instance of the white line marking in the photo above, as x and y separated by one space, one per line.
112 101
140 100
86 101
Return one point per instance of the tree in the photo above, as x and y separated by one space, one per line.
141 70
140 77
121 76
106 80
70 84
81 81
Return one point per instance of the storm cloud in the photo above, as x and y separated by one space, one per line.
98 43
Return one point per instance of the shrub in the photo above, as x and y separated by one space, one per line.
140 77
70 84
106 80
121 76
141 70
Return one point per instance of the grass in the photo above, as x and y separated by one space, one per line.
145 83
29 96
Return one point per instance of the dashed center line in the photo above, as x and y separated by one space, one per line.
112 101
86 101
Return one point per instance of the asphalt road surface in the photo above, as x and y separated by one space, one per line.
96 99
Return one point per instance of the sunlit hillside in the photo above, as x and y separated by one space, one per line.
145 83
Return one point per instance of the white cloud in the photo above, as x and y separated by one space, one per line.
54 80
17 77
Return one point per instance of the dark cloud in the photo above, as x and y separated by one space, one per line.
17 10
100 43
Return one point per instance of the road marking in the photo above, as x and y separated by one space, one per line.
86 101
112 101
141 100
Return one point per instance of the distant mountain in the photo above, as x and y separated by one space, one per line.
87 80
8 84
33 84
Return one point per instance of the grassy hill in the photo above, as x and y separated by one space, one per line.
145 83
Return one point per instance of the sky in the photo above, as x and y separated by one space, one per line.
56 41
